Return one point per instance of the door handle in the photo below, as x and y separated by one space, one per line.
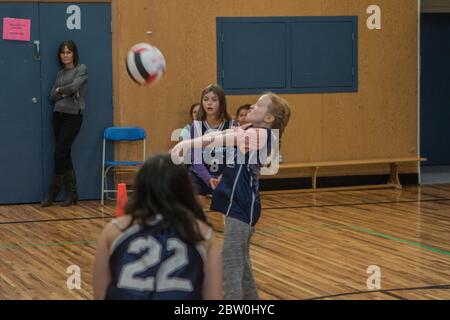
37 45
34 100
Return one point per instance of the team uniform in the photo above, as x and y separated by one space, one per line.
152 263
237 196
212 159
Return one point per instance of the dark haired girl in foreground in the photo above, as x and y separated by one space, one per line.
164 247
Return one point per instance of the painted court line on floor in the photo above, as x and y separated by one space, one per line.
274 230
53 220
385 291
263 230
51 244
412 243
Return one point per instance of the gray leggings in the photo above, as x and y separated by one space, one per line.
238 282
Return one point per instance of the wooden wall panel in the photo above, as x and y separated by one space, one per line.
379 121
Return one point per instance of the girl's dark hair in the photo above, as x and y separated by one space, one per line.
223 113
162 187
243 107
192 108
72 47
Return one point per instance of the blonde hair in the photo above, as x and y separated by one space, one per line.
280 110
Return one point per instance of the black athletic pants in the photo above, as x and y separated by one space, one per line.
65 127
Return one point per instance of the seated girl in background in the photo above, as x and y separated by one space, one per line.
212 116
241 113
186 131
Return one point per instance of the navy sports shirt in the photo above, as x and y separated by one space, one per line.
151 263
212 159
237 194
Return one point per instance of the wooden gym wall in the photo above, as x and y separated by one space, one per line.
379 121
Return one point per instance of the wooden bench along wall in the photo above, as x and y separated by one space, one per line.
393 182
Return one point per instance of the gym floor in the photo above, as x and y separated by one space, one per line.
322 245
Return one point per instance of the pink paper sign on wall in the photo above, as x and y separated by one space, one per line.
16 29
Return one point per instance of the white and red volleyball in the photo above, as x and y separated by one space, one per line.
145 64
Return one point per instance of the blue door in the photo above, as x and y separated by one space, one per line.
92 34
20 112
435 88
26 137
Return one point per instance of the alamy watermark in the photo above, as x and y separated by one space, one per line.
374 281
74 280
374 20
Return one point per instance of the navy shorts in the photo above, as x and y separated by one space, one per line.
199 185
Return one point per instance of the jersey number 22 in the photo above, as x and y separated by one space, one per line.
161 282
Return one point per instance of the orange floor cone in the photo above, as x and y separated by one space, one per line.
122 199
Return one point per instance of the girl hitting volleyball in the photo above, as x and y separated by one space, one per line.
163 248
208 163
237 195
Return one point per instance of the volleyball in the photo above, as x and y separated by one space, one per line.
145 64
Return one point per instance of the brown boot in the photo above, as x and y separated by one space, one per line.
53 190
70 184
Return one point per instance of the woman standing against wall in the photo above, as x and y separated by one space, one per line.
67 95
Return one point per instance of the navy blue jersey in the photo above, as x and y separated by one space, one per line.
151 263
237 194
212 158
